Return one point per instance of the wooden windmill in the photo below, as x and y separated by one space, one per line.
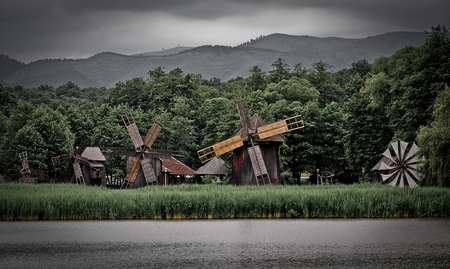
143 152
75 175
87 164
246 146
28 175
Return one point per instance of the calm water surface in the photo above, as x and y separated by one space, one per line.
391 243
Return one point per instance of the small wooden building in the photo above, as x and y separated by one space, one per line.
176 172
242 171
215 167
94 169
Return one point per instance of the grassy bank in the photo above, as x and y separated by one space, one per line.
67 202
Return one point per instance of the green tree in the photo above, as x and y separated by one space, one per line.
280 71
323 81
257 79
434 143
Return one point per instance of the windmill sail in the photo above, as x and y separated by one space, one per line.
258 165
281 126
143 148
220 148
401 171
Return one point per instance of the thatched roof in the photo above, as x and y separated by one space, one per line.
176 167
257 121
214 167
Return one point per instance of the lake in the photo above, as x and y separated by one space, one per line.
248 243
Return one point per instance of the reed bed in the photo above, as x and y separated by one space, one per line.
77 202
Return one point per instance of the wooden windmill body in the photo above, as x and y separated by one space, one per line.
255 148
144 167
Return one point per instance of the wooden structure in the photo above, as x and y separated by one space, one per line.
87 164
144 168
215 167
398 165
327 180
176 172
255 148
25 172
94 169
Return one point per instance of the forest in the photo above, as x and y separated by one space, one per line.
351 115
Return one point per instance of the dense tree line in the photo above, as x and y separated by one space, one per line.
351 115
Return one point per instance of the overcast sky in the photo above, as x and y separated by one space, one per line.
41 29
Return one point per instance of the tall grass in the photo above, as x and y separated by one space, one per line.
69 202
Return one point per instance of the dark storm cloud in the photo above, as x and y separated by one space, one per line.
31 29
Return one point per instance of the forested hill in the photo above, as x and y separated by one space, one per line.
106 69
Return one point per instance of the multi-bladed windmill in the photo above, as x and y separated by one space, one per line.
398 165
143 152
74 172
251 136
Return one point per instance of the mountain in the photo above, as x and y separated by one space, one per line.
8 65
223 62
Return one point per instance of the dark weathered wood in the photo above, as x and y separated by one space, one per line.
242 171
258 165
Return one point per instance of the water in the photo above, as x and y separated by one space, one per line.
374 243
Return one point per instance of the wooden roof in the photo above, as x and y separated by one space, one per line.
176 167
214 167
93 154
257 121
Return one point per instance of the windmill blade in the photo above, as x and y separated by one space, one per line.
133 131
152 134
282 126
77 172
384 166
245 118
149 173
387 154
133 171
412 152
258 165
81 148
157 153
24 158
69 143
390 176
399 149
220 148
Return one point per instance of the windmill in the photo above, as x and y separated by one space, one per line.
250 137
28 175
74 169
398 165
143 152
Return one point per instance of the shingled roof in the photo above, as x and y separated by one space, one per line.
214 167
93 154
176 167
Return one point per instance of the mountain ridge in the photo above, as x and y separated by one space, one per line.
211 61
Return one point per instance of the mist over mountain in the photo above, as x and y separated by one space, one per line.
223 62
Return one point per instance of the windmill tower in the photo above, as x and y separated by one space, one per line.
255 148
145 158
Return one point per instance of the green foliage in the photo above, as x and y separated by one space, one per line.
434 142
